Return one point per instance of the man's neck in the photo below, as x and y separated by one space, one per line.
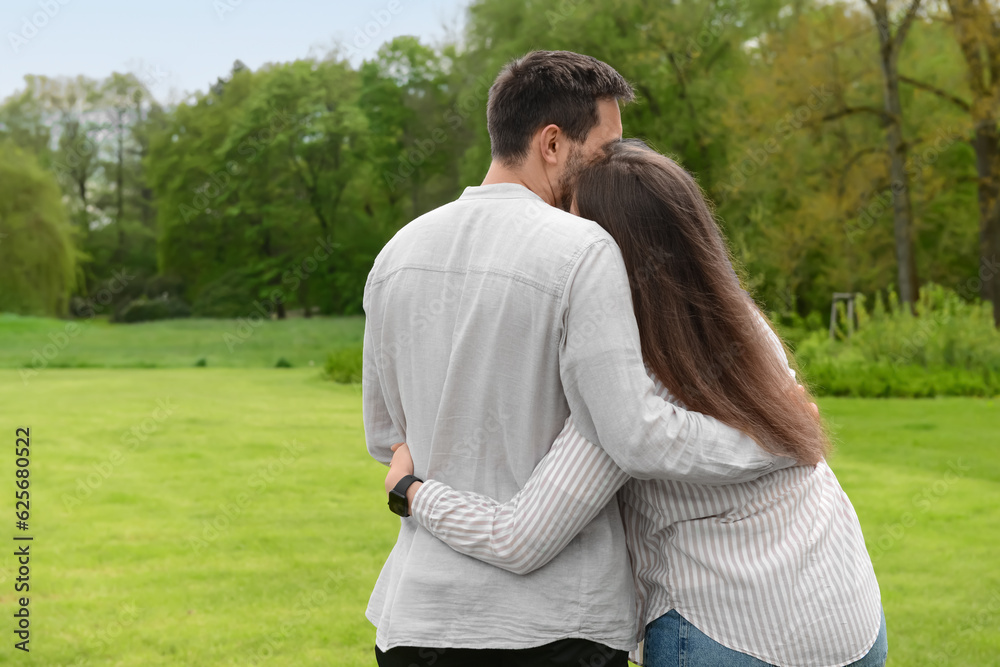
501 174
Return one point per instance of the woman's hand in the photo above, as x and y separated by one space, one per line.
802 393
400 466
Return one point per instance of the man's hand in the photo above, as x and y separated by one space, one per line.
400 466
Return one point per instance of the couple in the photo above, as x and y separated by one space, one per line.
609 444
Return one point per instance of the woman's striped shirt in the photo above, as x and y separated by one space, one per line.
776 568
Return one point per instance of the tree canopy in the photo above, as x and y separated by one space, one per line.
279 186
37 249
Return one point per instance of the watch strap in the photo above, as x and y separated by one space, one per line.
403 484
402 504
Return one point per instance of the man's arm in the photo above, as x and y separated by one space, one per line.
380 431
613 400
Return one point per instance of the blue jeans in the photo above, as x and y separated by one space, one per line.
671 641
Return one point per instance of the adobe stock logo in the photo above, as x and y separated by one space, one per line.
365 35
31 26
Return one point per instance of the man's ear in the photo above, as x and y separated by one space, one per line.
550 139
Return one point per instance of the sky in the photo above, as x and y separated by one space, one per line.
181 46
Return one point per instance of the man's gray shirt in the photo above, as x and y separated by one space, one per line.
488 320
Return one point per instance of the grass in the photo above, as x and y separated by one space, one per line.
34 342
924 476
206 541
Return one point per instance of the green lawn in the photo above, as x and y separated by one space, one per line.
199 538
43 343
204 541
924 476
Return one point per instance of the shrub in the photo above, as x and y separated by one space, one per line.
344 365
231 295
283 363
145 310
111 295
794 328
159 285
950 348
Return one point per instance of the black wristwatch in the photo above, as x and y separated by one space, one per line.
397 497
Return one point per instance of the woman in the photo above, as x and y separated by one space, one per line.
769 572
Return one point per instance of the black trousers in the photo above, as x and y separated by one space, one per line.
563 653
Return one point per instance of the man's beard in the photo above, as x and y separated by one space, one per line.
567 182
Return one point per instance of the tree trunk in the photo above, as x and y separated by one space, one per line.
987 145
266 250
120 186
85 271
977 35
889 47
901 208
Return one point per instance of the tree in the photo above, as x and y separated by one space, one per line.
806 193
405 93
797 172
23 123
288 180
890 46
269 190
37 257
190 176
123 97
72 108
93 143
684 59
977 29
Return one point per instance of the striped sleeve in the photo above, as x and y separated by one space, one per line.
568 488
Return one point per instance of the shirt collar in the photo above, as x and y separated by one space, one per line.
499 191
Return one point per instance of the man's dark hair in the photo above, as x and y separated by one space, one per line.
548 87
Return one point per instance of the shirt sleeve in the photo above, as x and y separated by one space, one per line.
568 488
380 431
779 347
613 400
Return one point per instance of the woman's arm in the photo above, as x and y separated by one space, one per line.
568 488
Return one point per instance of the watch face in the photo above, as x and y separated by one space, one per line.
398 504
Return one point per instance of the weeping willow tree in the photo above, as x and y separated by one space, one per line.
37 255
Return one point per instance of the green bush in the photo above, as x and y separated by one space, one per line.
232 295
38 260
146 310
794 328
950 348
344 365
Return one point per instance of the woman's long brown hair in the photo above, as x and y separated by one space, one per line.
701 333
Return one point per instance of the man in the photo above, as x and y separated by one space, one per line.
489 320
